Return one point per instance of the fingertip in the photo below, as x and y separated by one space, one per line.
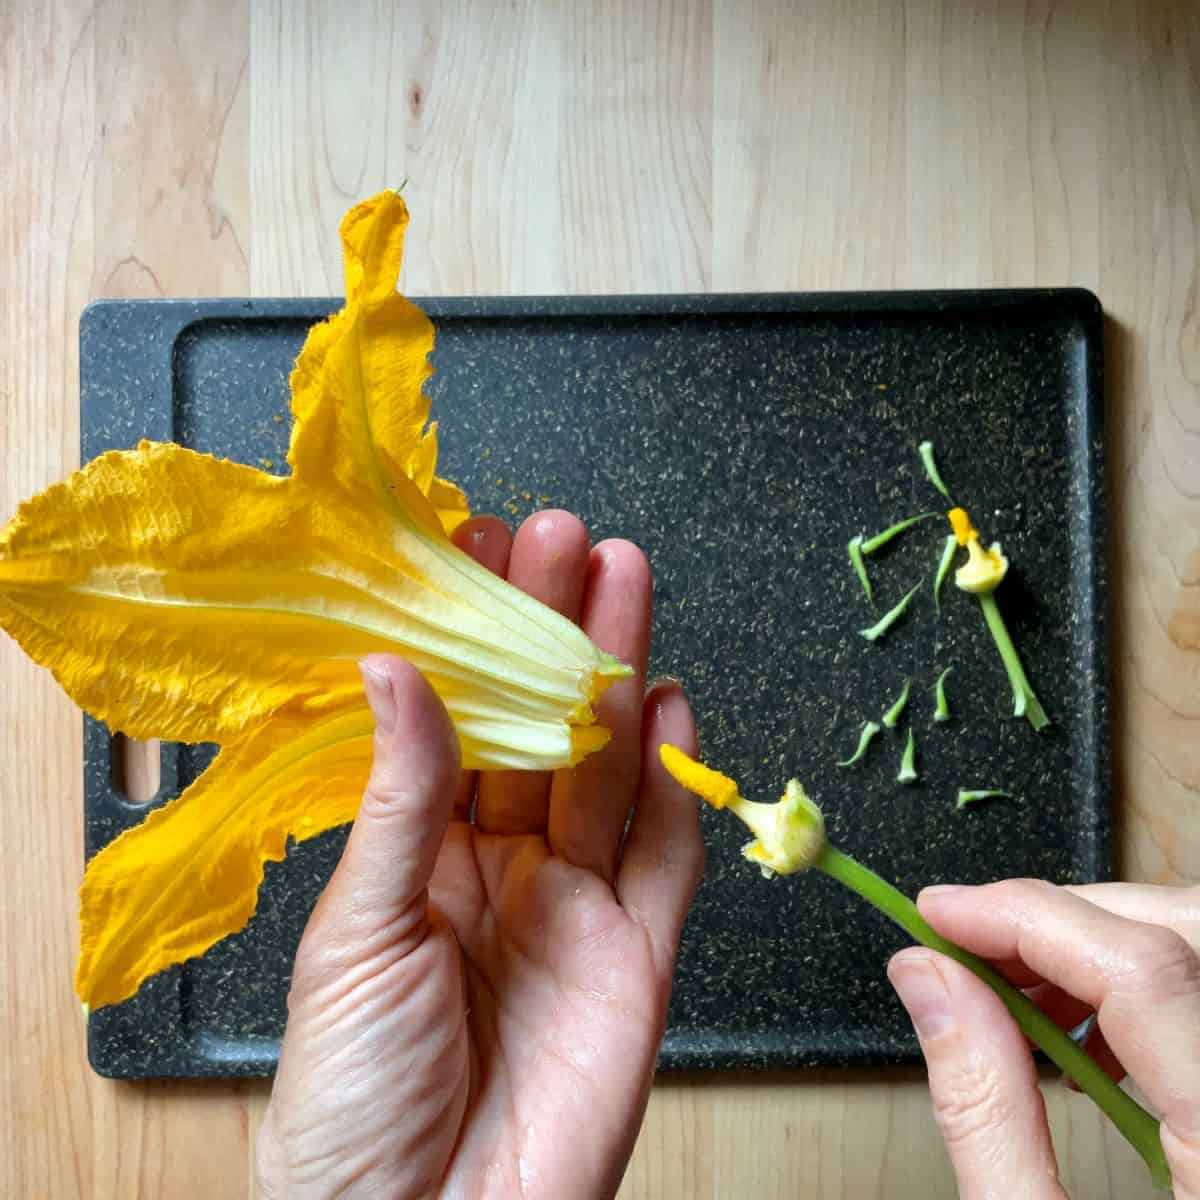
488 540
619 556
667 718
409 714
549 560
918 981
942 896
618 604
911 956
555 529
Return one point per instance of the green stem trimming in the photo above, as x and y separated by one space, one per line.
973 795
1025 702
1135 1124
948 549
869 730
881 539
854 549
893 714
908 762
942 712
889 618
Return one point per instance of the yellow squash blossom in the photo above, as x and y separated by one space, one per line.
984 570
789 836
180 596
981 575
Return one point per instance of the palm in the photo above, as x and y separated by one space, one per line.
564 1003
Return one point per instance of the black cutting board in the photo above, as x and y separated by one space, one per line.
741 440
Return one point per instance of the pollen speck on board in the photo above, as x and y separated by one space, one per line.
267 463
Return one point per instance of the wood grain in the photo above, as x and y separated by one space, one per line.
191 148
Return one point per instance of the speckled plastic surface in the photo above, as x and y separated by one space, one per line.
741 441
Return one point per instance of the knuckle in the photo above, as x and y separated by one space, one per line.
1159 960
381 797
970 1106
1018 896
1017 903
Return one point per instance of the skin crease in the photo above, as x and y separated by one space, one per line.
476 1005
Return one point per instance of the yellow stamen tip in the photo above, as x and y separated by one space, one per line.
964 531
711 786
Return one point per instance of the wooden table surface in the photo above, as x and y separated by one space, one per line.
157 148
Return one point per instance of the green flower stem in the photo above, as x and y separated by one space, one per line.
1025 703
881 539
1136 1125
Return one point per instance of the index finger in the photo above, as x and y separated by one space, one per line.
1143 980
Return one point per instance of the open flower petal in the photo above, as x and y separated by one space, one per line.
109 578
359 409
166 890
179 596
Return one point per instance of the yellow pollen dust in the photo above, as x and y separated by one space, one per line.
711 786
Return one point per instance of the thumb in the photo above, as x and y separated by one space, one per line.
392 849
982 1080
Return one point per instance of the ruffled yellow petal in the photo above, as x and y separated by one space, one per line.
166 890
360 415
447 498
178 596
106 579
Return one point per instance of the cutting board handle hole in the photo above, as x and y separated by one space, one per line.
136 768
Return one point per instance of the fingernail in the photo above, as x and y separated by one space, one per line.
378 686
922 991
942 891
664 681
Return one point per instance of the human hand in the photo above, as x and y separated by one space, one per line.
476 1007
1128 953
